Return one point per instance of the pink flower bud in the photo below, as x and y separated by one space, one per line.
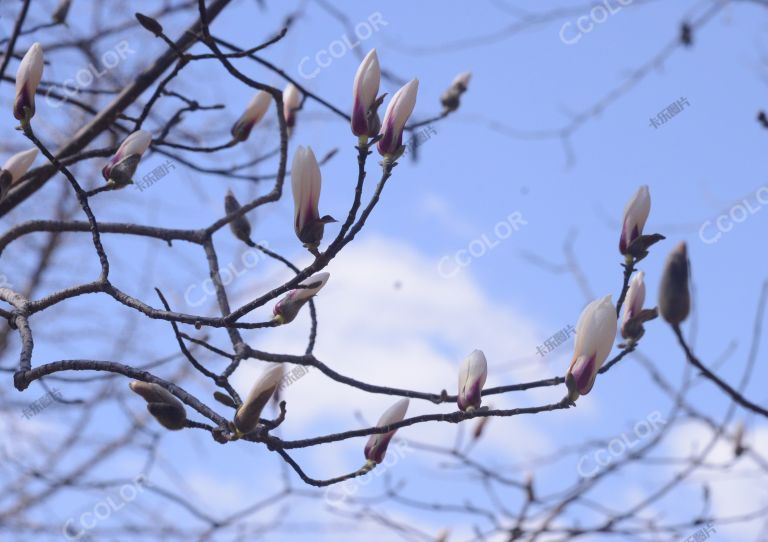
122 166
291 101
254 112
398 111
472 375
595 333
288 307
365 116
27 79
635 214
635 297
377 444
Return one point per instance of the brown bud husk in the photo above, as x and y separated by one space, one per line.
62 10
633 328
150 24
240 227
674 295
162 404
122 172
638 248
224 399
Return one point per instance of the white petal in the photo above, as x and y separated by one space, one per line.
136 143
19 163
367 79
30 69
394 414
318 278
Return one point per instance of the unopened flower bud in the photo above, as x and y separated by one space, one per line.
595 333
291 103
674 297
635 215
398 111
15 168
634 314
288 307
365 104
240 226
306 183
62 10
122 166
161 403
254 112
472 375
247 416
376 448
27 79
451 97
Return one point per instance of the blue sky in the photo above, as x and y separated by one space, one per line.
387 314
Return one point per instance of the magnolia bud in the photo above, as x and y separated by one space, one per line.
288 307
161 403
121 168
472 375
15 168
27 79
306 181
398 111
240 227
365 104
291 102
674 297
60 13
595 333
247 416
635 215
450 98
254 112
377 444
634 314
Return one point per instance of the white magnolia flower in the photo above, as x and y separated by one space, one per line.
595 333
472 375
635 215
377 444
254 112
398 111
27 79
365 116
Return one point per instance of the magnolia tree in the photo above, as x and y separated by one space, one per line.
72 479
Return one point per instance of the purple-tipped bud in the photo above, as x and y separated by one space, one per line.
123 164
595 333
254 112
306 182
635 215
398 111
376 448
365 105
27 79
288 307
472 375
